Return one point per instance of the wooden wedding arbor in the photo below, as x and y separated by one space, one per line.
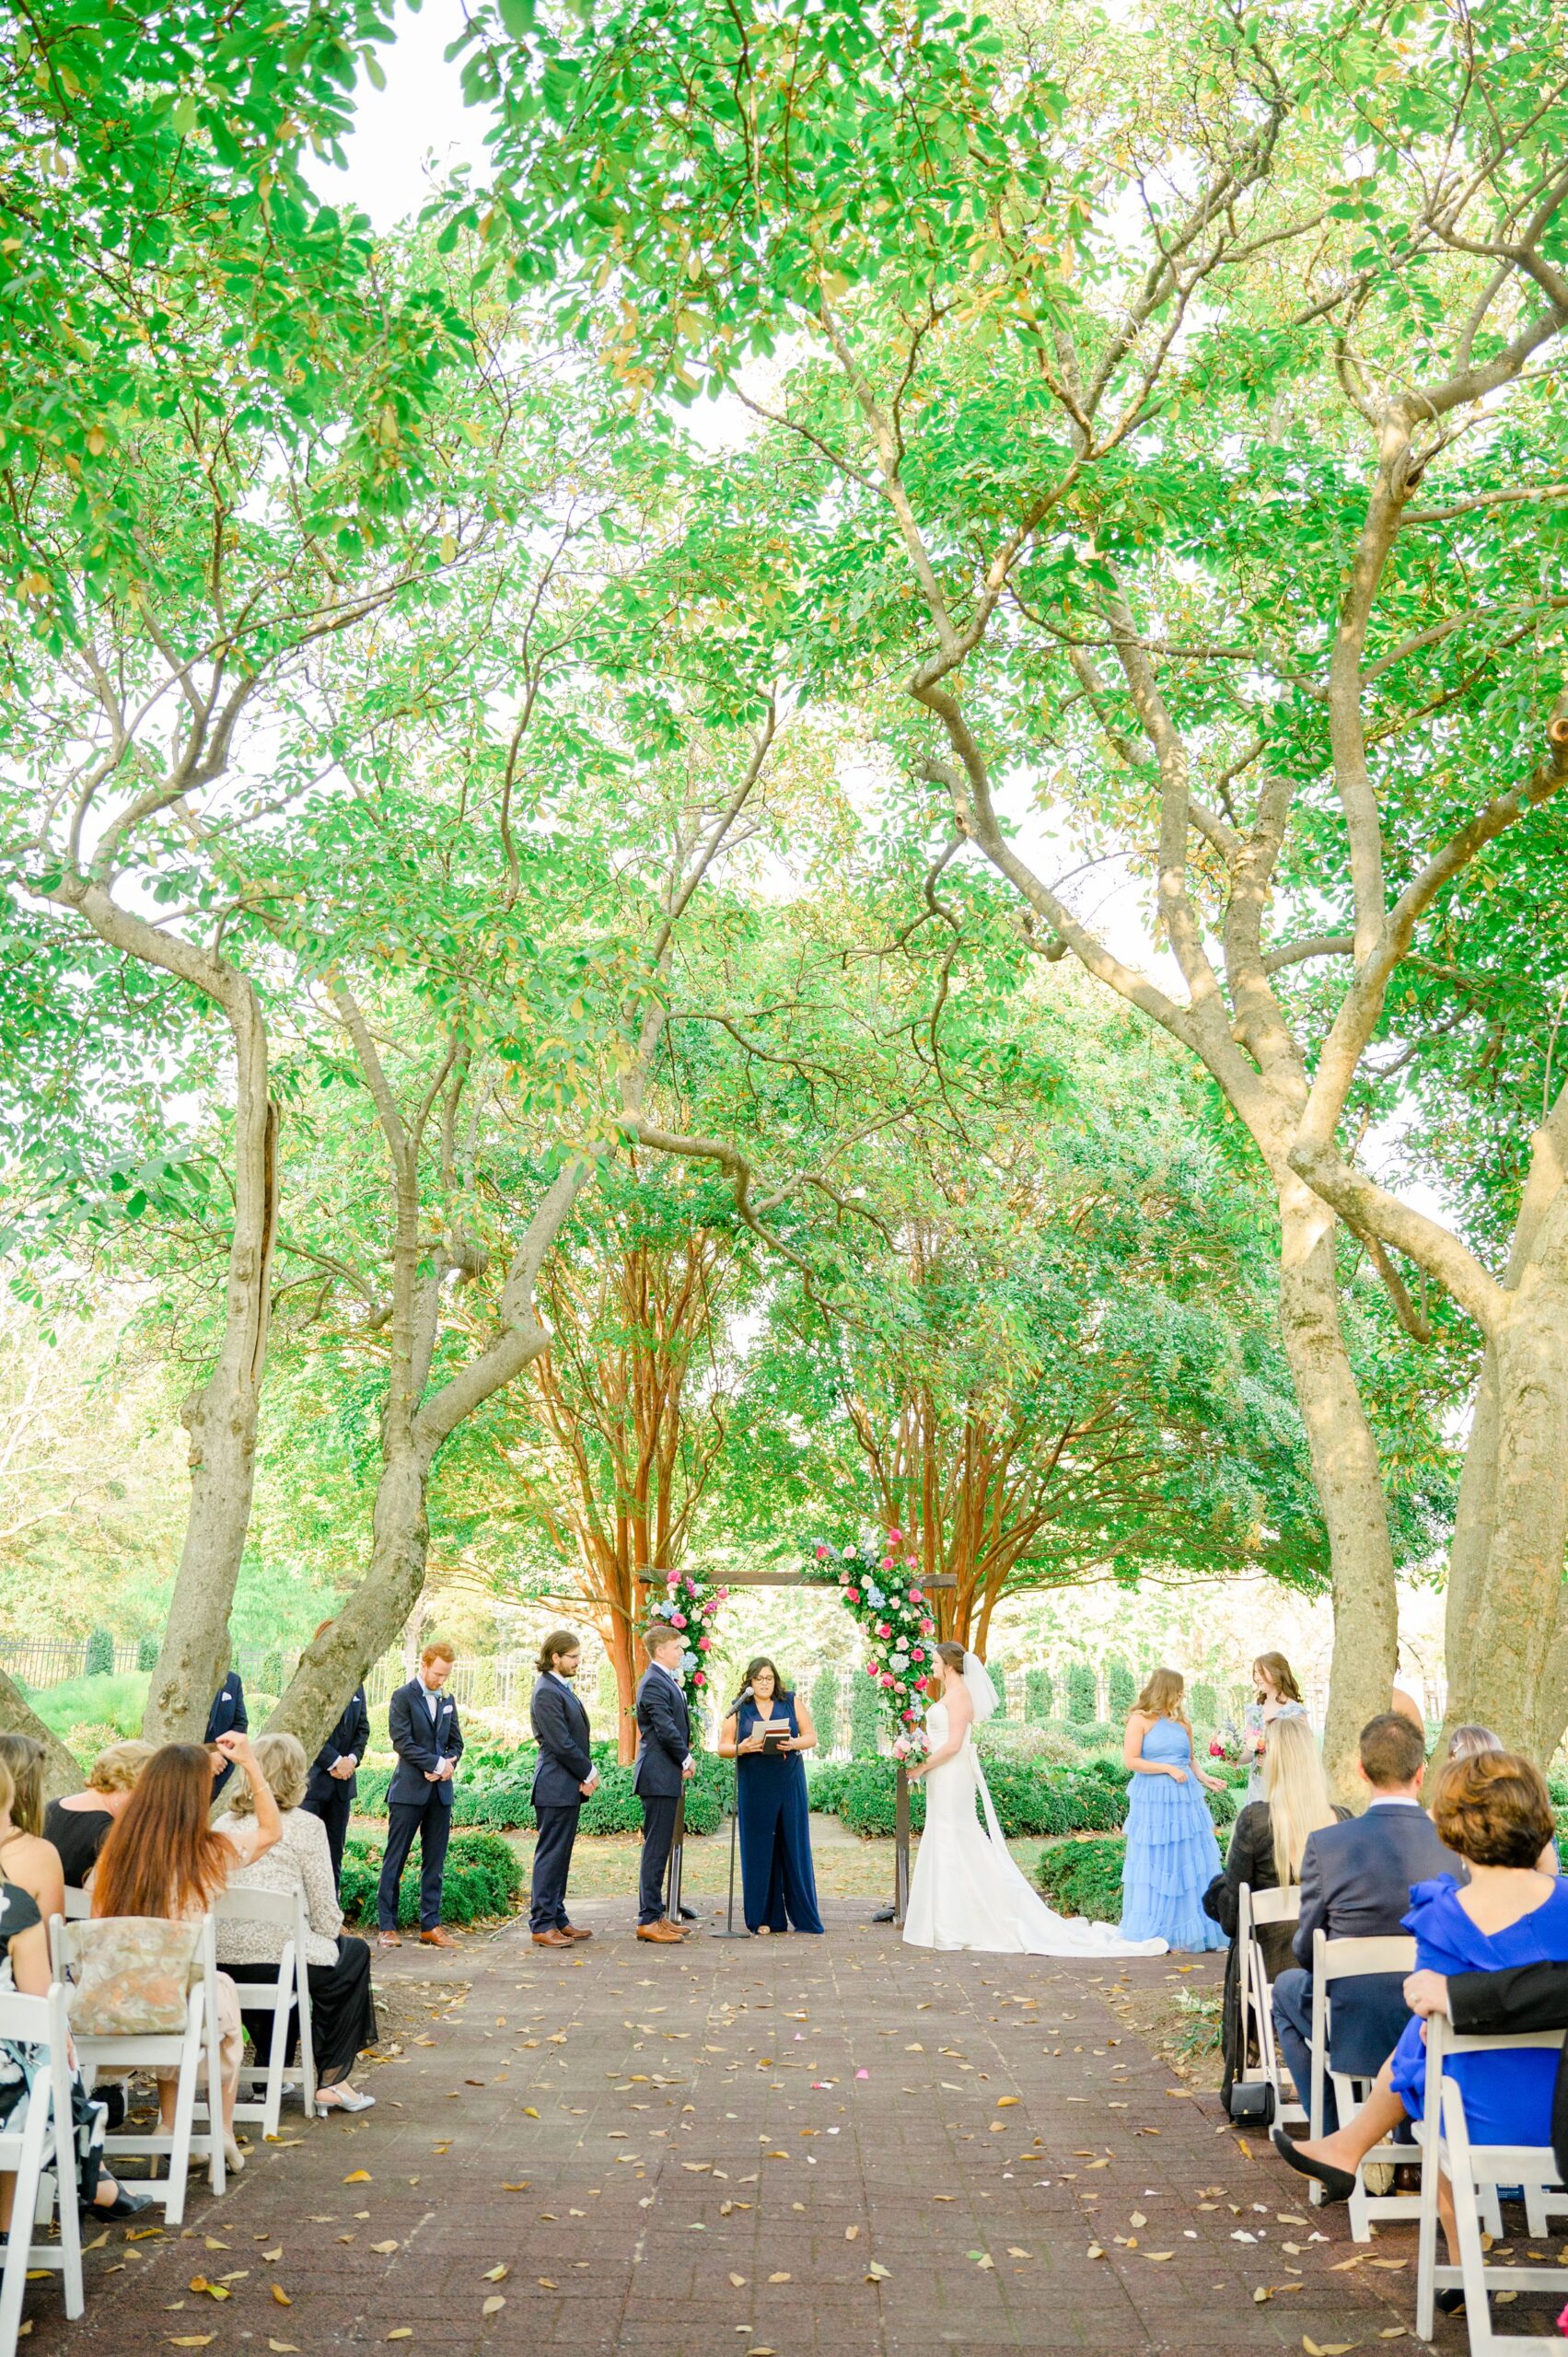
766 1575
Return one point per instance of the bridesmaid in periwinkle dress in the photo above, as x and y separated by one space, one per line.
1172 1852
778 1884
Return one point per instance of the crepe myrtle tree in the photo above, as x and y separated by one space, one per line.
1185 430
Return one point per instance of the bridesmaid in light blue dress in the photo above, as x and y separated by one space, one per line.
1172 1852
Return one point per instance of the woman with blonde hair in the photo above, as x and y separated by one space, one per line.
80 1824
1172 1853
1266 1849
342 2011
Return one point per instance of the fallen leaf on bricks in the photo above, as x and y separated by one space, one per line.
497 2274
877 2273
497 2301
739 2282
1328 2347
779 2279
852 2234
281 2296
358 2177
384 2247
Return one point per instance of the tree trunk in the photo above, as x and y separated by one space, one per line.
620 1646
61 1773
221 1419
1470 1547
1516 1613
369 1622
1348 1481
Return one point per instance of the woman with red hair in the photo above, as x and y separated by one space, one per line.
164 1858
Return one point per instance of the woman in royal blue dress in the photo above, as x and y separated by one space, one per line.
1172 1853
765 1735
1493 1809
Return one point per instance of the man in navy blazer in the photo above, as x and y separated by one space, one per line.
1355 1884
332 1783
563 1779
422 1724
663 1766
228 1715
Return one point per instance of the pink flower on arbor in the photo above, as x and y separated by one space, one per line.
678 1620
698 1678
704 1644
884 1629
822 1550
852 1593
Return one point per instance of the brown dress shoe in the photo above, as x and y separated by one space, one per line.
390 1940
552 1939
664 1931
438 1938
575 1931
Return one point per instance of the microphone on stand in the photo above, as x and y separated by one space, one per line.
729 1932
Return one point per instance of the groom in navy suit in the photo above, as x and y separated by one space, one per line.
664 1765
561 1783
423 1724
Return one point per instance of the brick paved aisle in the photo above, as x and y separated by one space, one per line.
816 2148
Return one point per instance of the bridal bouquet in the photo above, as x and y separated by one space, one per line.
878 1581
913 1743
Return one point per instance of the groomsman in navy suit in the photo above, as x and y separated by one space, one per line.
561 1783
333 1780
228 1715
663 1765
422 1724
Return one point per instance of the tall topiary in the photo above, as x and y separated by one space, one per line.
1039 1695
99 1658
824 1702
1082 1694
1205 1707
998 1668
1121 1688
864 1718
147 1652
272 1673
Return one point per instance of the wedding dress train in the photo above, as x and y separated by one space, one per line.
966 1892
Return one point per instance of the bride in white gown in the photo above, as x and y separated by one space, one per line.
966 1891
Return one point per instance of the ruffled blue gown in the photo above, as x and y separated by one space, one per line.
1508 2094
1172 1852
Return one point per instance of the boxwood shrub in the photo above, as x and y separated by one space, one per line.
1084 1878
485 1878
1031 1796
493 1791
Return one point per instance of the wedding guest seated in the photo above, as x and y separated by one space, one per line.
25 1967
164 1858
1267 1845
1468 1742
26 1858
78 1825
1510 1920
1357 1879
343 2009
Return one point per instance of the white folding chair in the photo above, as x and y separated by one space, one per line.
78 1904
1348 1960
38 2143
187 2048
1474 2173
285 1912
1256 1908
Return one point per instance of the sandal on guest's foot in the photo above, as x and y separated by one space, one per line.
342 2098
1338 2183
233 2158
1449 2302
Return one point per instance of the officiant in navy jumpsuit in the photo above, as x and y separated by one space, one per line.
778 1884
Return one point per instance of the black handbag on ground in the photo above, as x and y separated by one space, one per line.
1252 2103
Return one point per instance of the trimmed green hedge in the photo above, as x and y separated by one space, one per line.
483 1879
1032 1796
1084 1878
494 1792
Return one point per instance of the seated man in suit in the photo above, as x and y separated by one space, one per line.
228 1715
563 1779
1355 1884
333 1780
423 1724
